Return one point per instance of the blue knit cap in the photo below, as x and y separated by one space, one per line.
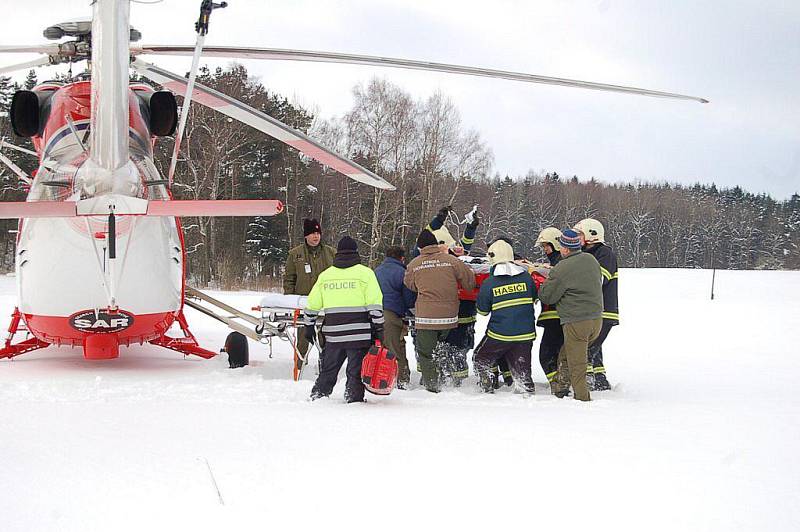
570 239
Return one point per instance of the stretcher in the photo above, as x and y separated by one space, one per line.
280 317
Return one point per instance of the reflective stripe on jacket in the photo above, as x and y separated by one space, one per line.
549 312
352 304
435 277
608 267
509 299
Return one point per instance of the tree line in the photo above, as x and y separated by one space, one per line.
422 148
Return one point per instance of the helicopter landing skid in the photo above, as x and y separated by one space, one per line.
32 343
187 345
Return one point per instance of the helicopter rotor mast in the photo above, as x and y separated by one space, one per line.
110 74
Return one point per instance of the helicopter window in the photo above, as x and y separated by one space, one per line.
55 180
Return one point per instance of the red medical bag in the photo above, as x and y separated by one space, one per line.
379 370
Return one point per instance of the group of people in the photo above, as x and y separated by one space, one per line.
435 296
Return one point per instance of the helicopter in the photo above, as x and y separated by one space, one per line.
100 259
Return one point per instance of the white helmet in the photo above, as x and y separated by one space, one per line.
549 235
443 236
592 230
500 251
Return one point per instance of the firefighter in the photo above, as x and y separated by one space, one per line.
303 266
553 335
508 294
350 297
502 369
593 241
435 276
398 301
574 286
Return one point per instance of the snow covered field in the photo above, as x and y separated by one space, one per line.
701 433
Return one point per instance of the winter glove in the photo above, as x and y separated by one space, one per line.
475 221
377 334
310 334
443 213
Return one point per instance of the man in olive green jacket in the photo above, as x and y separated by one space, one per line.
575 287
303 266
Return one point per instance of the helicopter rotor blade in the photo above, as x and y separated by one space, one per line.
334 57
28 64
49 49
252 117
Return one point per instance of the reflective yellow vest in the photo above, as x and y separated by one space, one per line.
352 304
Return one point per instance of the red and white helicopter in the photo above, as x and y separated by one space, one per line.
100 259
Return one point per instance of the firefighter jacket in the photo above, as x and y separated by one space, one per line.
435 277
509 295
549 312
575 287
466 311
303 266
396 296
608 267
350 300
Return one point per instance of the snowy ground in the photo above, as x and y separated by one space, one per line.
701 433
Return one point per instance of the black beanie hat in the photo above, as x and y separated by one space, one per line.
426 238
347 244
311 225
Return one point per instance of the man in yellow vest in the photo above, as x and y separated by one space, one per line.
349 296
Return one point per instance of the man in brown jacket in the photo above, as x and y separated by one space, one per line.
435 275
303 265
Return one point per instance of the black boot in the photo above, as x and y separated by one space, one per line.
488 383
601 382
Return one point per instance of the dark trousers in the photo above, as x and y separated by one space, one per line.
332 361
516 354
502 368
550 345
595 355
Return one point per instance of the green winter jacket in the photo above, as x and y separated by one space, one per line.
575 287
303 266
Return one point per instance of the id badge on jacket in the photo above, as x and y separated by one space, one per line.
308 268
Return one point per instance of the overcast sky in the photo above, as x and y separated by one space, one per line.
742 55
